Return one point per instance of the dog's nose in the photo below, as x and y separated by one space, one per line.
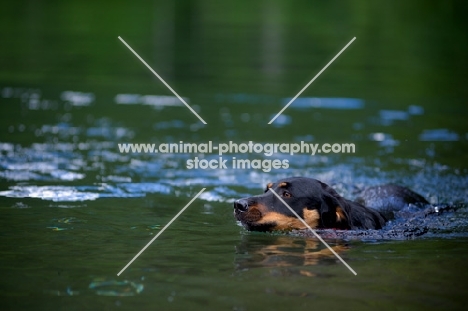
241 205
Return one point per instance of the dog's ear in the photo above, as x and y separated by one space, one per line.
329 198
328 203
342 218
330 207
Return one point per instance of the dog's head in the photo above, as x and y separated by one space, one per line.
315 202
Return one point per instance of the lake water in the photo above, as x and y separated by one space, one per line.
75 210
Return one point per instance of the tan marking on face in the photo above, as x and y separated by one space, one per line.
254 213
283 184
269 185
283 222
311 217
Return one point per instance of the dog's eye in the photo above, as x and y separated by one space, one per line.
287 194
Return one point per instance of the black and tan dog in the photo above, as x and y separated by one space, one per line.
320 206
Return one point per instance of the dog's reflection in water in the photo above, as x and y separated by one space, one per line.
288 254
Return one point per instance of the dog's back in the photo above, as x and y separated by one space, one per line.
390 198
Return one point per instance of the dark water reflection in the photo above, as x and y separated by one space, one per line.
76 209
